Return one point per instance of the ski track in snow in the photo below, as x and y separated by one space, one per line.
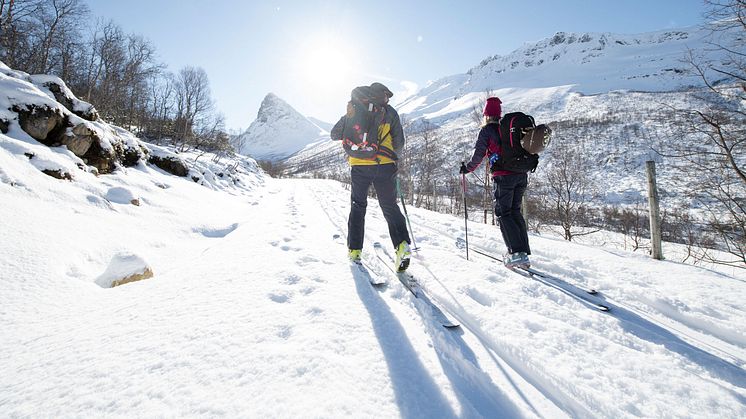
256 311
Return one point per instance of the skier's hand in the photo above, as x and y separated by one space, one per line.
463 170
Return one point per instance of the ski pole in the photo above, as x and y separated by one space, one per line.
401 197
466 218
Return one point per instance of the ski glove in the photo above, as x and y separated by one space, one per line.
463 170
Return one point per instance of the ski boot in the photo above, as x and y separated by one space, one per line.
402 256
355 255
517 260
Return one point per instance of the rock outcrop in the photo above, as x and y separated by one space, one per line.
45 109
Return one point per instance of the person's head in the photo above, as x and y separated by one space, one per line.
381 91
492 110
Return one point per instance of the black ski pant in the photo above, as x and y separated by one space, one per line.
507 194
383 179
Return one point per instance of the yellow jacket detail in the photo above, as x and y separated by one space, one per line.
384 140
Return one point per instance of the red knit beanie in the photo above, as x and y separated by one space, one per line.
492 107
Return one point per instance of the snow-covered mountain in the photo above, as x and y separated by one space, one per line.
586 63
326 126
278 131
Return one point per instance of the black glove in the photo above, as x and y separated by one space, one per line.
463 170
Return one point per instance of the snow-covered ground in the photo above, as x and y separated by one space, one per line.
254 311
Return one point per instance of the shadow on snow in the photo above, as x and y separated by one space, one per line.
416 392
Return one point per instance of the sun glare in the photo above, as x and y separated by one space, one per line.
325 63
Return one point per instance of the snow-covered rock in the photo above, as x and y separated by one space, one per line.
59 90
41 109
124 268
278 131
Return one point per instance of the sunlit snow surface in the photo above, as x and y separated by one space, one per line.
254 311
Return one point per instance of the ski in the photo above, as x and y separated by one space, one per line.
460 244
422 301
545 275
578 293
587 296
374 280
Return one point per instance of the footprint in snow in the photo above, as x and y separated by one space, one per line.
216 233
479 297
285 332
291 280
534 327
307 290
306 260
280 297
314 311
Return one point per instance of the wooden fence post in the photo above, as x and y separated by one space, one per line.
655 222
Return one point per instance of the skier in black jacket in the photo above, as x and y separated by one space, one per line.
507 187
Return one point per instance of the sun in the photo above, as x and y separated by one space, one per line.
325 63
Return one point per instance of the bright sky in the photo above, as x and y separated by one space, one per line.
312 53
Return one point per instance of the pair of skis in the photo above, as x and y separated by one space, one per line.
589 297
422 302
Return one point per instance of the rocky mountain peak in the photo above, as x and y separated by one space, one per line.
278 131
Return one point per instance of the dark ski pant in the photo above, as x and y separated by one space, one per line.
383 179
507 194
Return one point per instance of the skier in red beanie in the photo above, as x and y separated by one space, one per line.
507 187
492 108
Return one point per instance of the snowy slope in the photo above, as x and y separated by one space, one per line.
326 126
278 131
586 63
254 311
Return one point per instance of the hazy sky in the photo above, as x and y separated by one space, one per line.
312 53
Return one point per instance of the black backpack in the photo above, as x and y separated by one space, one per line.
511 129
365 112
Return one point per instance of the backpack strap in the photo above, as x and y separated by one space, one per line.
385 151
511 130
494 143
